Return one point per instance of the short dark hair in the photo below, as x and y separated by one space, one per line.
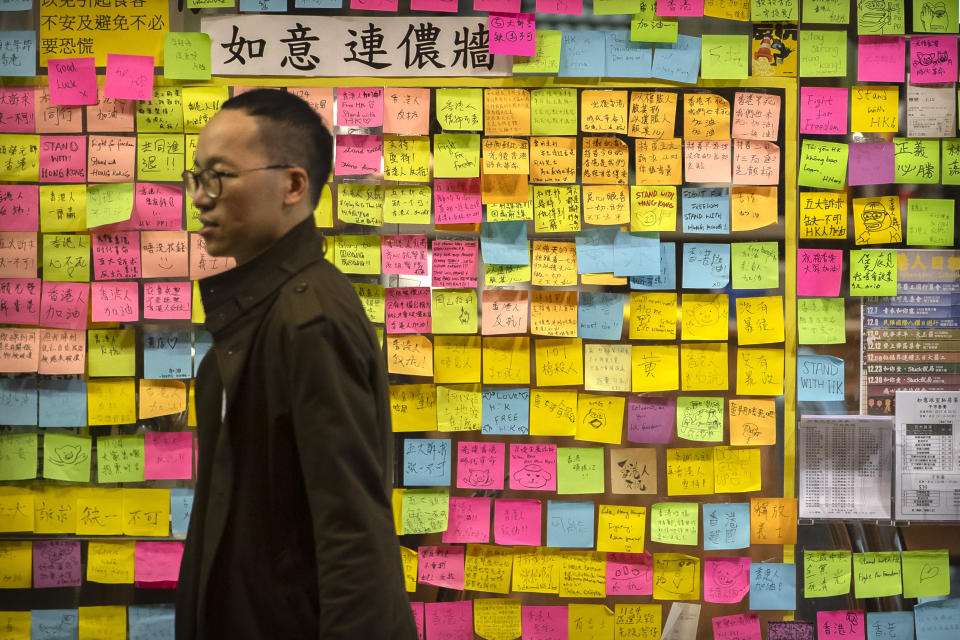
291 133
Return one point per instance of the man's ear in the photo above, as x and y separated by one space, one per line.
297 186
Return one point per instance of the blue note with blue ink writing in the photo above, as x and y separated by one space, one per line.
595 250
773 586
504 242
726 525
426 462
705 210
570 524
705 266
54 624
581 54
819 379
166 355
678 61
600 315
890 625
667 278
505 412
636 254
626 58
62 402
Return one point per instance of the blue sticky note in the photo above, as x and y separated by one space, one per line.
63 402
202 341
264 6
581 54
705 266
166 355
938 620
505 412
890 625
705 210
504 242
819 378
181 505
570 524
18 401
726 525
54 624
426 462
667 278
678 61
318 4
626 58
151 621
595 249
773 586
600 315
16 5
19 51
636 254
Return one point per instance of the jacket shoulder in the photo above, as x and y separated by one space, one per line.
316 293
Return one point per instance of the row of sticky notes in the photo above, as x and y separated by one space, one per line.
834 165
64 509
915 574
153 621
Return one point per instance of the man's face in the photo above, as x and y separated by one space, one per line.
249 214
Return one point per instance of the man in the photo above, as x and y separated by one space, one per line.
292 533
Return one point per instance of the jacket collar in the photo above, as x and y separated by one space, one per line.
228 295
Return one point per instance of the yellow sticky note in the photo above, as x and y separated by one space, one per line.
653 208
487 568
536 569
728 9
653 315
413 407
752 208
606 204
160 157
590 622
703 367
496 618
655 368
773 520
197 313
877 574
653 114
559 361
456 359
706 116
506 156
322 214
603 111
506 360
926 573
497 212
690 471
15 625
410 355
737 470
55 509
604 160
752 421
16 564
360 204
498 275
460 109
111 401
553 159
760 320
459 408
110 562
66 258
553 412
506 112
406 158
759 372
192 404
553 313
704 316
356 254
600 418
556 208
659 161
874 108
396 499
606 367
876 220
373 299
17 505
162 398
454 311
100 512
621 528
200 104
407 204
638 620
19 157
823 215
676 577
103 623
63 207
583 574
111 352
456 155
409 557
146 512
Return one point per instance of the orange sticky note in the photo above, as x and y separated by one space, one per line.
554 264
553 159
506 155
604 161
752 421
406 112
506 112
410 354
553 313
752 208
321 99
603 111
504 188
162 398
163 254
653 114
706 160
659 161
773 521
706 116
606 204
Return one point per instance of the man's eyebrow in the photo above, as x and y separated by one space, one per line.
212 160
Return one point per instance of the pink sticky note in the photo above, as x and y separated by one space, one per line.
20 301
468 521
166 300
404 255
163 254
455 263
63 352
358 155
567 7
651 419
819 271
157 206
480 465
517 522
441 566
72 81
449 620
63 305
408 310
725 579
116 256
823 110
756 116
933 59
359 106
115 301
680 8
417 609
168 455
503 6
533 467
870 163
17 111
202 264
755 162
63 158
109 115
406 111
375 5
111 158
457 200
157 561
744 626
56 563
21 351
629 574
706 160
56 118
513 34
544 623
848 625
880 58
19 207
18 254
445 6
504 311
128 77
320 98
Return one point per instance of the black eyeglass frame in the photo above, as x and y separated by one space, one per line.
193 180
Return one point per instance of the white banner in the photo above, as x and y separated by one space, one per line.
289 45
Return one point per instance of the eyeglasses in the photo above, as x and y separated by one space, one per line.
212 180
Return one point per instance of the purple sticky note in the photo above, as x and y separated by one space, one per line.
358 155
533 467
19 207
441 566
63 158
933 59
480 465
457 201
19 300
455 263
629 574
17 111
544 622
468 520
72 81
63 305
128 77
870 163
168 455
513 34
408 310
819 271
516 522
823 110
651 419
503 6
449 620
417 609
56 563
157 561
881 58
790 630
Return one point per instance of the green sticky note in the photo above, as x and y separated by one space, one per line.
546 58
460 109
66 258
18 456
916 161
120 459
66 457
163 113
880 18
776 11
724 57
160 157
454 311
210 4
826 12
424 511
553 112
647 26
873 272
934 17
674 523
580 470
821 321
926 573
111 353
109 203
456 155
930 222
618 7
700 418
754 265
823 54
186 55
823 164
951 159
826 573
876 574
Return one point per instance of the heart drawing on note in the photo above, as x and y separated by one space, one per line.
928 572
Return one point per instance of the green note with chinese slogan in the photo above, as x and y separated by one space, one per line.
821 321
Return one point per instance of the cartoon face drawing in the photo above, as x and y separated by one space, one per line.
875 217
933 17
68 454
532 476
478 478
874 15
705 315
